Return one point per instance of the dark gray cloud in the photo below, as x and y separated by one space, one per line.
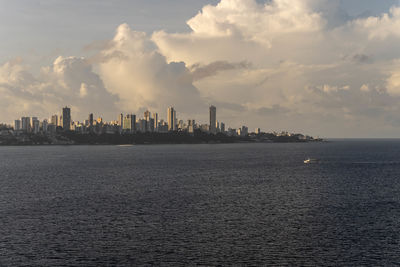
361 58
358 58
203 71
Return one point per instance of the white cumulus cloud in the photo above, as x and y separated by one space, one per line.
68 81
132 68
300 65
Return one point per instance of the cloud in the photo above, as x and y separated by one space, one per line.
358 58
143 78
68 81
393 80
219 32
304 65
254 21
330 89
202 71
272 111
381 27
294 46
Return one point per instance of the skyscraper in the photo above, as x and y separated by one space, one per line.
121 120
54 120
171 119
32 123
147 115
25 124
91 119
17 125
181 125
213 120
244 131
129 124
35 126
45 125
66 118
190 126
133 123
147 122
142 125
150 125
155 117
222 127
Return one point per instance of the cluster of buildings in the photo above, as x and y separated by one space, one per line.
128 123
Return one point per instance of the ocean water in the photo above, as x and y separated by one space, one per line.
176 205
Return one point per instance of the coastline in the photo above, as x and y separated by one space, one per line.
77 139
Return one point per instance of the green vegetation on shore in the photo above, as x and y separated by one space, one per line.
198 137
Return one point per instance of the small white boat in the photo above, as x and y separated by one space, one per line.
309 161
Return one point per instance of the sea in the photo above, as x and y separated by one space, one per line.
201 205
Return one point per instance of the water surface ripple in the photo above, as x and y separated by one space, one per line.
174 205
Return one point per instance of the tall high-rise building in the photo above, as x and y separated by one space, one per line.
181 125
150 125
54 120
91 119
213 120
171 119
45 125
129 124
26 124
244 131
133 123
17 125
66 118
142 125
35 126
222 127
121 120
147 123
126 126
155 117
32 122
147 115
190 125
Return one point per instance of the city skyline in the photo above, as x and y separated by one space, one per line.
326 67
128 123
200 132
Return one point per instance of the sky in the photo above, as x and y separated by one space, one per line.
328 68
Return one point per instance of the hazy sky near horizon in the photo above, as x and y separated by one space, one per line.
321 67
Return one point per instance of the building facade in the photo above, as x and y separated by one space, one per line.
66 119
91 119
129 124
54 120
155 123
171 119
213 120
17 125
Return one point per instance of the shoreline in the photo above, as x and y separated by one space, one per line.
171 138
153 144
